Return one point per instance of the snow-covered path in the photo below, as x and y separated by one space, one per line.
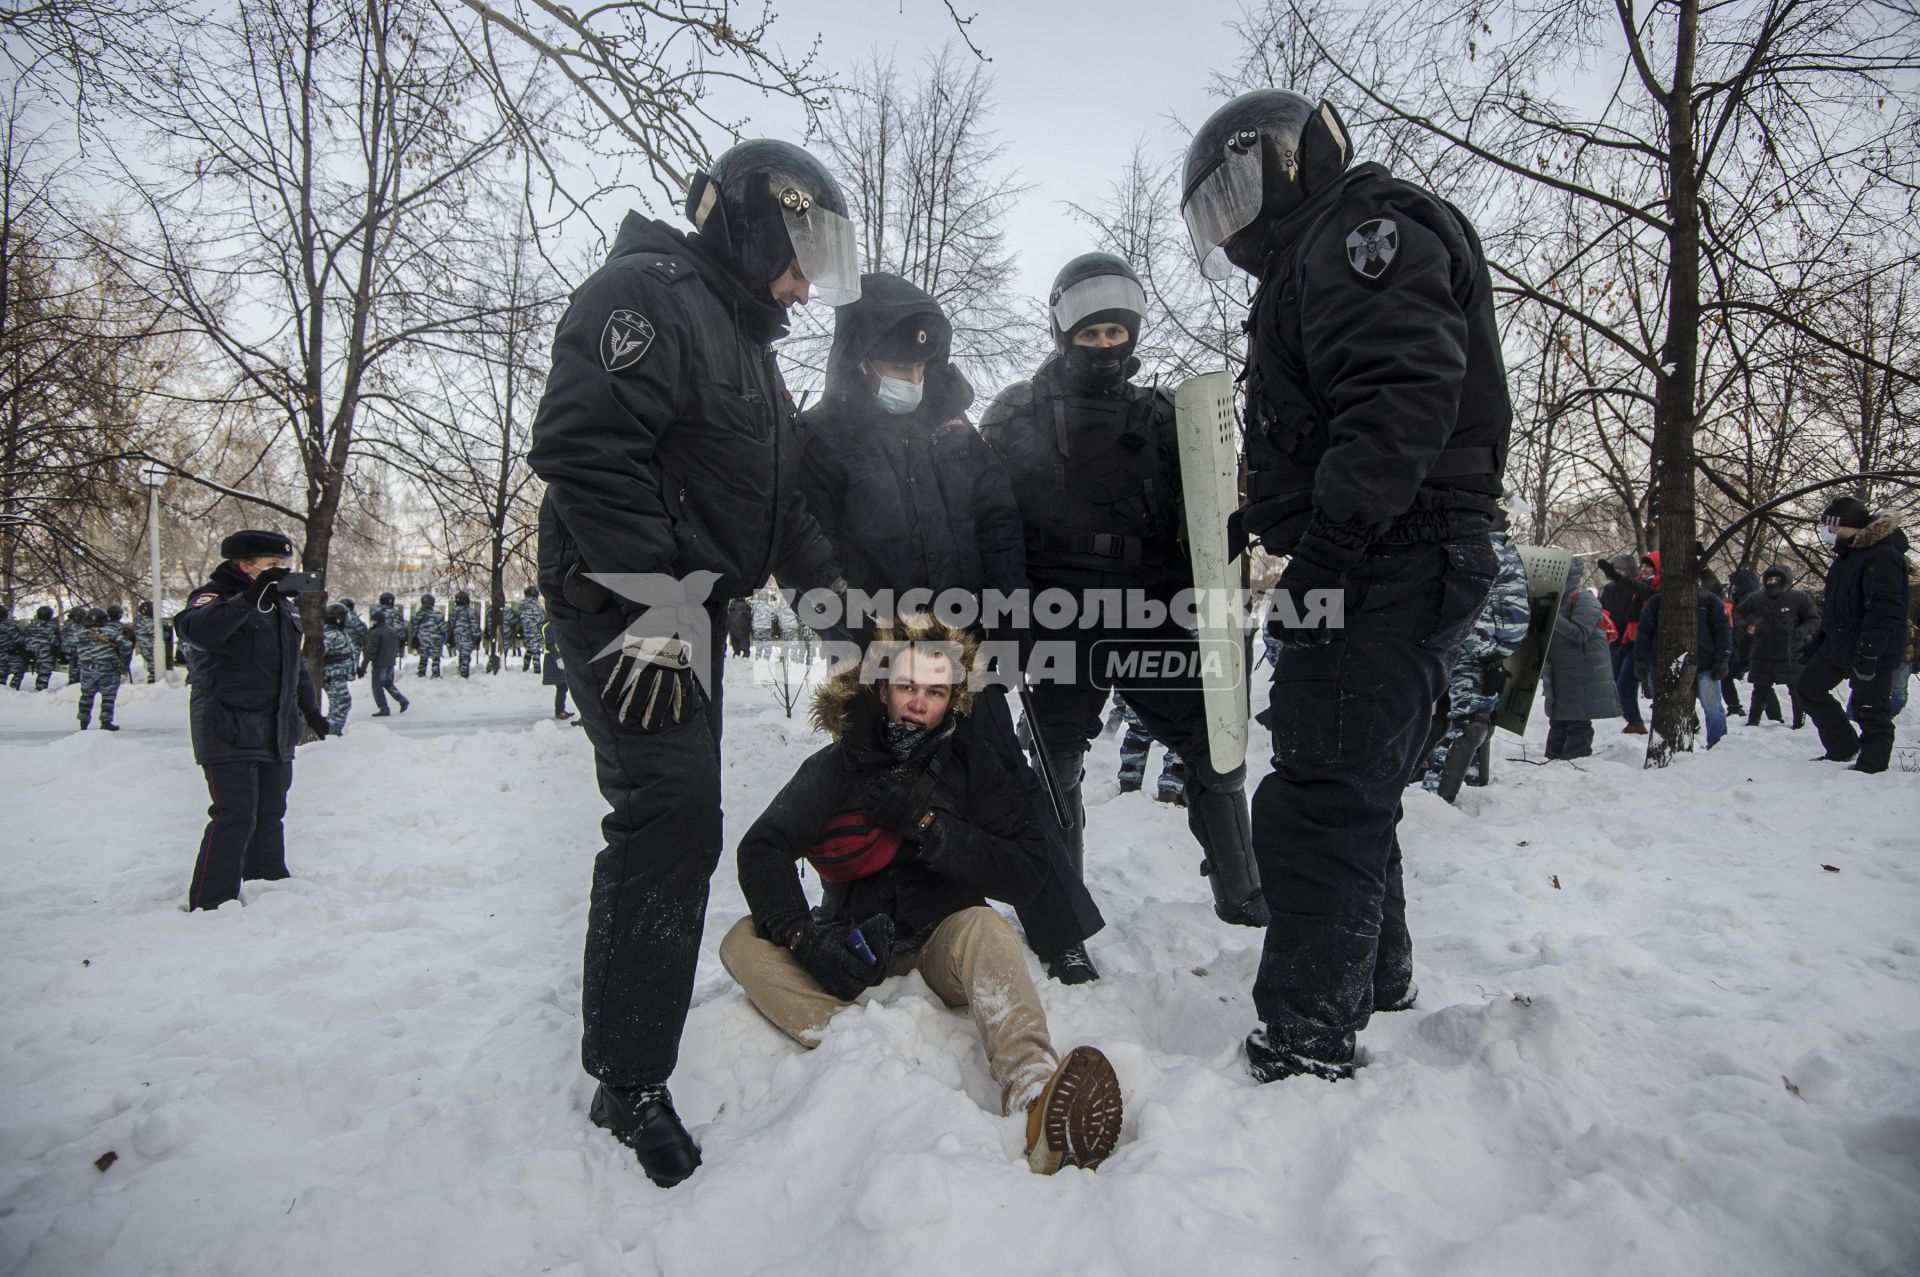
1654 1034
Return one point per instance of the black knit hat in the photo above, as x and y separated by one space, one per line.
1847 512
251 543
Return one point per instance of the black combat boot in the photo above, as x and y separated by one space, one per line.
643 1119
1072 966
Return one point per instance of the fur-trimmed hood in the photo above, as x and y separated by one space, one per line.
848 697
1879 530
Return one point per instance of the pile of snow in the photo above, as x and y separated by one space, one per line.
1656 1034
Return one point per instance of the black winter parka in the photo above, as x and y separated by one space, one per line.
251 689
1864 621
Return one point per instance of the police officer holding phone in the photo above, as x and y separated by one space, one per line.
251 692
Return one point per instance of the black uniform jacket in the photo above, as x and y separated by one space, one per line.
983 841
1864 621
251 688
910 501
1376 396
666 433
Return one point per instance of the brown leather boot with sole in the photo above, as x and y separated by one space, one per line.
1076 1120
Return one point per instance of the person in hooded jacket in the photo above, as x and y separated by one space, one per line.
912 824
1095 465
1579 674
666 440
1742 585
251 693
1777 622
1713 652
914 499
1863 633
1623 598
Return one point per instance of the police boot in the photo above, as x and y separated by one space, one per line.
1068 770
643 1119
1220 819
1473 734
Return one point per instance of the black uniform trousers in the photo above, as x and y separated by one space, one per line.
1063 914
1872 703
1349 722
244 838
648 906
1071 714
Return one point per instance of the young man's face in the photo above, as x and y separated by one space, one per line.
920 689
792 288
1102 335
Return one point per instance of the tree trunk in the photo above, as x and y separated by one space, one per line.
1674 659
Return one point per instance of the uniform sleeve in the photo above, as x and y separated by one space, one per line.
305 694
209 620
807 554
1720 630
1387 358
769 877
596 429
996 520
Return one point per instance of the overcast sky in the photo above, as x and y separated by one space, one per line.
1075 86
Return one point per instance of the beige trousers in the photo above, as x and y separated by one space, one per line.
972 959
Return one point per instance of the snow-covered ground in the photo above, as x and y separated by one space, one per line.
1656 1034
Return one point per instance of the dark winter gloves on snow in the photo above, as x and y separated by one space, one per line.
1320 562
823 950
648 684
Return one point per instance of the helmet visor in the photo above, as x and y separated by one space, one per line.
823 246
1091 296
1221 204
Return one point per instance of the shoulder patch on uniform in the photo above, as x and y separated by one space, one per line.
1371 247
204 598
625 339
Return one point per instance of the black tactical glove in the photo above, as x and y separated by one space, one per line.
1320 562
265 587
649 684
318 722
1720 670
822 949
1606 569
1493 676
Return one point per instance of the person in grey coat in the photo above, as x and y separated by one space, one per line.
1579 673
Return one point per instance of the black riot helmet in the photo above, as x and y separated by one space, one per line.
532 591
95 616
1256 160
115 611
386 600
44 613
426 600
347 604
461 597
1096 288
766 205
145 608
336 614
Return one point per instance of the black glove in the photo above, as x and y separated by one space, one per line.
1606 569
822 949
1864 668
891 805
1720 669
265 587
1317 564
1493 676
318 722
649 684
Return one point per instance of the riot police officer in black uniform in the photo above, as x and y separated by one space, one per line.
1376 433
667 444
251 692
1095 465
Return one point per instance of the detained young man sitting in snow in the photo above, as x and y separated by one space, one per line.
911 826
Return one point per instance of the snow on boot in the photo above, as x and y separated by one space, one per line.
1269 1063
1076 1120
643 1119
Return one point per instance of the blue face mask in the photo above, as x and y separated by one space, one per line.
898 397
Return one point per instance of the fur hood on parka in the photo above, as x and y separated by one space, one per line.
1879 530
847 696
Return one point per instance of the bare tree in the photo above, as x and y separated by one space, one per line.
917 161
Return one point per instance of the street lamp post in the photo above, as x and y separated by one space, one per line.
154 476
